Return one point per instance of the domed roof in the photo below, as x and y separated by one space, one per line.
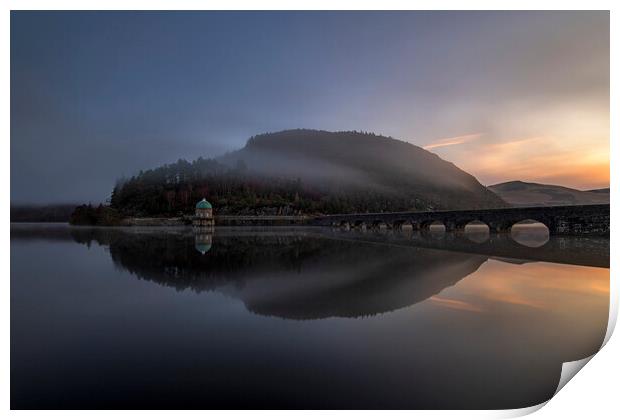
203 248
203 204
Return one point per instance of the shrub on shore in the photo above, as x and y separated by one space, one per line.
95 216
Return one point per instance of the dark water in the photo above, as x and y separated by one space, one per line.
168 318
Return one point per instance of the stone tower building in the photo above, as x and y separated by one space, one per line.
204 214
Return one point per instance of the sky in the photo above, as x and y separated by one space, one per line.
96 96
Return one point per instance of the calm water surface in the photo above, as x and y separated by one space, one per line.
303 318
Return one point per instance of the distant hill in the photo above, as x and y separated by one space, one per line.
600 191
518 193
308 171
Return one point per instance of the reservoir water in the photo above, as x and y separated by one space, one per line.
299 318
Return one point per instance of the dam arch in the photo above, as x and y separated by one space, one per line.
531 233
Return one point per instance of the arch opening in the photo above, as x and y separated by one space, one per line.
530 233
434 226
477 231
379 224
359 224
407 225
398 224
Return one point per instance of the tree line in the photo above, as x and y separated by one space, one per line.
174 189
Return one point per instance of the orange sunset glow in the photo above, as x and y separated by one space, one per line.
544 286
542 159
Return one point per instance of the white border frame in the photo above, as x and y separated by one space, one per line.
594 393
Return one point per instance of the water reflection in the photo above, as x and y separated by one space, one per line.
178 318
203 239
527 243
295 275
311 274
477 234
532 234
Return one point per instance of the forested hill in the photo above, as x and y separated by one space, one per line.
308 172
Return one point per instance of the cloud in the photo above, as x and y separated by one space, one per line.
452 141
568 160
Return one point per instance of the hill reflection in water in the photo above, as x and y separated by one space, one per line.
310 274
296 277
477 324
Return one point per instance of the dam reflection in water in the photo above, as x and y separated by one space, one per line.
390 319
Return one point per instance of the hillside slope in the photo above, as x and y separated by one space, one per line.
600 191
518 193
353 161
307 172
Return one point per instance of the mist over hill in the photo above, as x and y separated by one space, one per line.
307 172
519 193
